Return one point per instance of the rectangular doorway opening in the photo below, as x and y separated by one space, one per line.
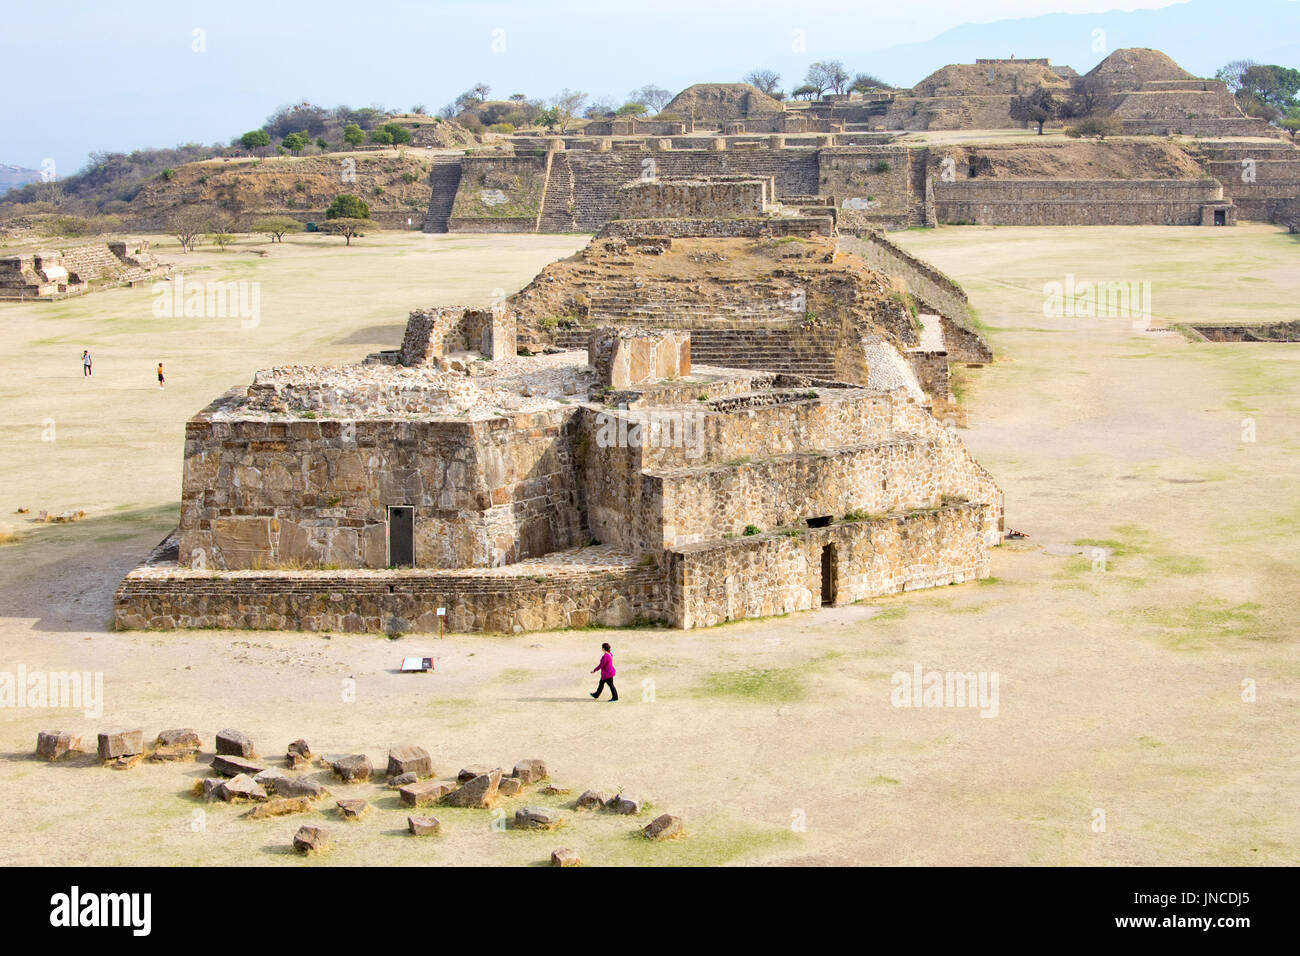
1220 217
822 522
830 569
401 536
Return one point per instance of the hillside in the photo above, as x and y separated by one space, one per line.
395 184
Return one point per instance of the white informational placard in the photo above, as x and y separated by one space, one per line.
417 664
442 612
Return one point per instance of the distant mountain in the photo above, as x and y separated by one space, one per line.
12 177
1201 36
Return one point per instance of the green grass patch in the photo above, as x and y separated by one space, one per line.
757 684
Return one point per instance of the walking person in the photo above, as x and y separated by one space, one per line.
607 672
87 367
161 381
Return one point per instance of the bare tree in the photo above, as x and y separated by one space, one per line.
567 103
765 80
187 224
827 75
655 97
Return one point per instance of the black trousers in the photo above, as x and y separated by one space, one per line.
613 691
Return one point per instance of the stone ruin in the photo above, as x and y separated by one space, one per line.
53 275
631 475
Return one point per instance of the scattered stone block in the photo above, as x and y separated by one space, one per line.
402 780
126 762
423 793
296 761
269 777
287 786
212 786
551 790
171 754
509 786
352 768
241 787
56 744
121 743
182 738
469 773
530 771
300 747
537 818
279 807
423 826
230 766
353 809
565 857
594 799
409 759
481 791
233 743
626 804
311 839
663 827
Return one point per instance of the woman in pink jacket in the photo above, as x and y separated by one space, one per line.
606 668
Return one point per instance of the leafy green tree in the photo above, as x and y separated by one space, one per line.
347 206
400 134
353 135
255 139
295 142
632 109
381 137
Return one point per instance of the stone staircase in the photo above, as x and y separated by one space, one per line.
810 353
918 161
444 179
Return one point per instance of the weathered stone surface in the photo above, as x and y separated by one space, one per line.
311 839
235 744
409 759
594 799
469 773
126 762
212 787
231 766
300 747
352 768
56 744
287 786
269 778
481 791
424 792
565 857
423 826
279 807
353 809
537 818
241 787
402 780
296 761
121 743
509 786
172 754
530 771
183 738
551 790
663 827
625 804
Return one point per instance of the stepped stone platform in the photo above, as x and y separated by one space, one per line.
50 276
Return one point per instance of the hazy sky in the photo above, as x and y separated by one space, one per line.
84 76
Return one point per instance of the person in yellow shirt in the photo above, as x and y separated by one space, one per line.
161 381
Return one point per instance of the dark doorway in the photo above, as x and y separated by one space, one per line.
1220 217
821 522
401 536
830 569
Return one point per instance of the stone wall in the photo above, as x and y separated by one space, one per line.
627 357
524 597
869 184
771 574
315 493
1062 202
721 228
712 198
436 333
